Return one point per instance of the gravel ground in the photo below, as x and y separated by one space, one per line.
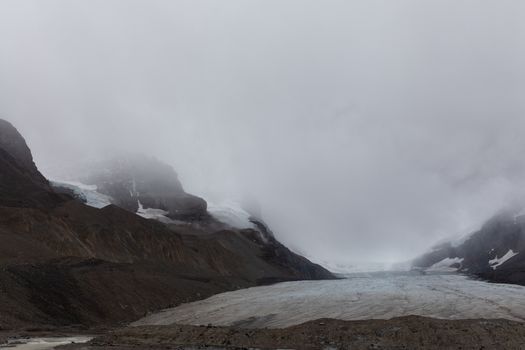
411 332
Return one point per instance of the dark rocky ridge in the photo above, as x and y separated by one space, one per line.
14 144
63 263
21 184
502 233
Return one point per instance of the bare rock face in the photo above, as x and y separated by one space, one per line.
21 184
135 180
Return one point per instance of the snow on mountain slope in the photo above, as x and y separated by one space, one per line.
129 178
86 193
227 212
155 214
491 252
89 195
232 214
447 265
494 263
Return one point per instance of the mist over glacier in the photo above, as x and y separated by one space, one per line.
366 131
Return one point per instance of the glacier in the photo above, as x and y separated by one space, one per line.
87 193
362 296
231 213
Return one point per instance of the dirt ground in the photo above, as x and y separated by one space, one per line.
411 332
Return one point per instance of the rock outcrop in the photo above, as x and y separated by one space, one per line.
15 145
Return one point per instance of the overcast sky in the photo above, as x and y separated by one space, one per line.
366 129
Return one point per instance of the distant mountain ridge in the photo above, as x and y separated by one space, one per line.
496 251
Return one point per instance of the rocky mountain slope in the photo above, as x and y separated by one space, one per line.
21 184
493 252
63 263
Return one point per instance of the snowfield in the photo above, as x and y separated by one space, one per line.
363 296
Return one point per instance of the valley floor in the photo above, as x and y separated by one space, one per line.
365 311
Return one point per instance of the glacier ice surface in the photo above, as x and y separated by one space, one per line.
362 296
88 193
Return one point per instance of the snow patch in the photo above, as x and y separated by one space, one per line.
153 213
494 263
232 214
87 193
445 265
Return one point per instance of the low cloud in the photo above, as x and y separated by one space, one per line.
367 130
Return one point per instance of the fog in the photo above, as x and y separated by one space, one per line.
367 130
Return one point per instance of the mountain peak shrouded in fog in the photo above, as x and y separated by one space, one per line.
365 130
136 181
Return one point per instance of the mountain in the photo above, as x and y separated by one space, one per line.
493 252
135 181
65 263
21 184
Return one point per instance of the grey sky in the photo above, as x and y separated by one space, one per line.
367 129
